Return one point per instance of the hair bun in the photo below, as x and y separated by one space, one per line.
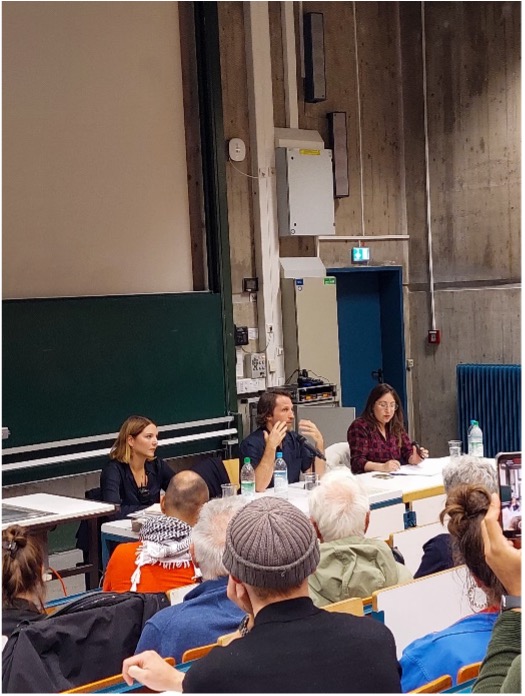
464 503
20 541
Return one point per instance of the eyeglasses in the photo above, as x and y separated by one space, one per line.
387 407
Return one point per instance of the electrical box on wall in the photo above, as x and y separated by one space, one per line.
310 331
305 193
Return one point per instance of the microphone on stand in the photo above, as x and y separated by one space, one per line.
304 442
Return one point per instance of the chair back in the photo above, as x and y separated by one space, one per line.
347 606
197 653
337 455
428 604
410 542
177 594
227 638
436 686
468 672
232 469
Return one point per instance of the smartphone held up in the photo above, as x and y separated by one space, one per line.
509 477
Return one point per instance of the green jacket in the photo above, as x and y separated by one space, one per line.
501 668
354 567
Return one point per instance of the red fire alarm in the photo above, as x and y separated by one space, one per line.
434 337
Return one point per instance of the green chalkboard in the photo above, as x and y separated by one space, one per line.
75 367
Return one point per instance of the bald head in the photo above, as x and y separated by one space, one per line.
187 492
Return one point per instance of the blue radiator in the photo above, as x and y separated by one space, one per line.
490 394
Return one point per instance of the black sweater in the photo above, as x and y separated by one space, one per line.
296 648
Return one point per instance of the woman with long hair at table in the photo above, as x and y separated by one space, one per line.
377 439
22 578
133 477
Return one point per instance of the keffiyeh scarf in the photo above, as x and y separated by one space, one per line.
165 541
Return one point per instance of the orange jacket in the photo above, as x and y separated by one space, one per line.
153 578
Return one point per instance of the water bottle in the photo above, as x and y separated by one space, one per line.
247 480
475 439
280 476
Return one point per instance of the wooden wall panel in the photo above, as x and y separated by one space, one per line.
473 54
381 111
474 139
477 325
237 125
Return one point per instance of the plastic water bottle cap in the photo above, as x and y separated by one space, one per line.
246 460
473 422
278 455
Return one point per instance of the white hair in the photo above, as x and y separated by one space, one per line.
209 535
472 471
339 505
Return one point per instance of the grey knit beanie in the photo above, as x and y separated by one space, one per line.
270 543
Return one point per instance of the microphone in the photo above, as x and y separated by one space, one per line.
304 442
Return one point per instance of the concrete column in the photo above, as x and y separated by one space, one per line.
258 60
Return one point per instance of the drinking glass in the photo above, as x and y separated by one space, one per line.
454 448
228 489
310 481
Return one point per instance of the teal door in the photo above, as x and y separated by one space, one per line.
370 326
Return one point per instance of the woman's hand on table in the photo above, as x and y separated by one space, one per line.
390 465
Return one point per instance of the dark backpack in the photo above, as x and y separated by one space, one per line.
82 642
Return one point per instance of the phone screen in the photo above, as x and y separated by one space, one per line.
509 476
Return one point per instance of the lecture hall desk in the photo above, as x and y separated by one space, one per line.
46 511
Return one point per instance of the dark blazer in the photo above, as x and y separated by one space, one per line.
294 647
437 555
118 486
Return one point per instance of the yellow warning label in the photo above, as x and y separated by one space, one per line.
309 152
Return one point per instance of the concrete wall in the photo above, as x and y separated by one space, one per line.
473 89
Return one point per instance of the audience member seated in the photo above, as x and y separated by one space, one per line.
22 581
161 560
437 552
206 612
271 549
378 440
501 668
133 478
350 565
466 641
213 473
275 417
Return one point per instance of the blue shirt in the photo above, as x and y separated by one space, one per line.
204 615
295 454
446 651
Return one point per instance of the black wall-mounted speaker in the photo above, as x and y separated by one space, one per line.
314 68
339 146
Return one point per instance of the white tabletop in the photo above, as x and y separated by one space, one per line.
120 528
61 507
409 480
298 496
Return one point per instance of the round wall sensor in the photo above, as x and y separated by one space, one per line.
237 150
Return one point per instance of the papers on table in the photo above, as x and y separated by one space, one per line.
430 467
151 510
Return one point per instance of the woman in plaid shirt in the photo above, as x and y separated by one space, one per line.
378 440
